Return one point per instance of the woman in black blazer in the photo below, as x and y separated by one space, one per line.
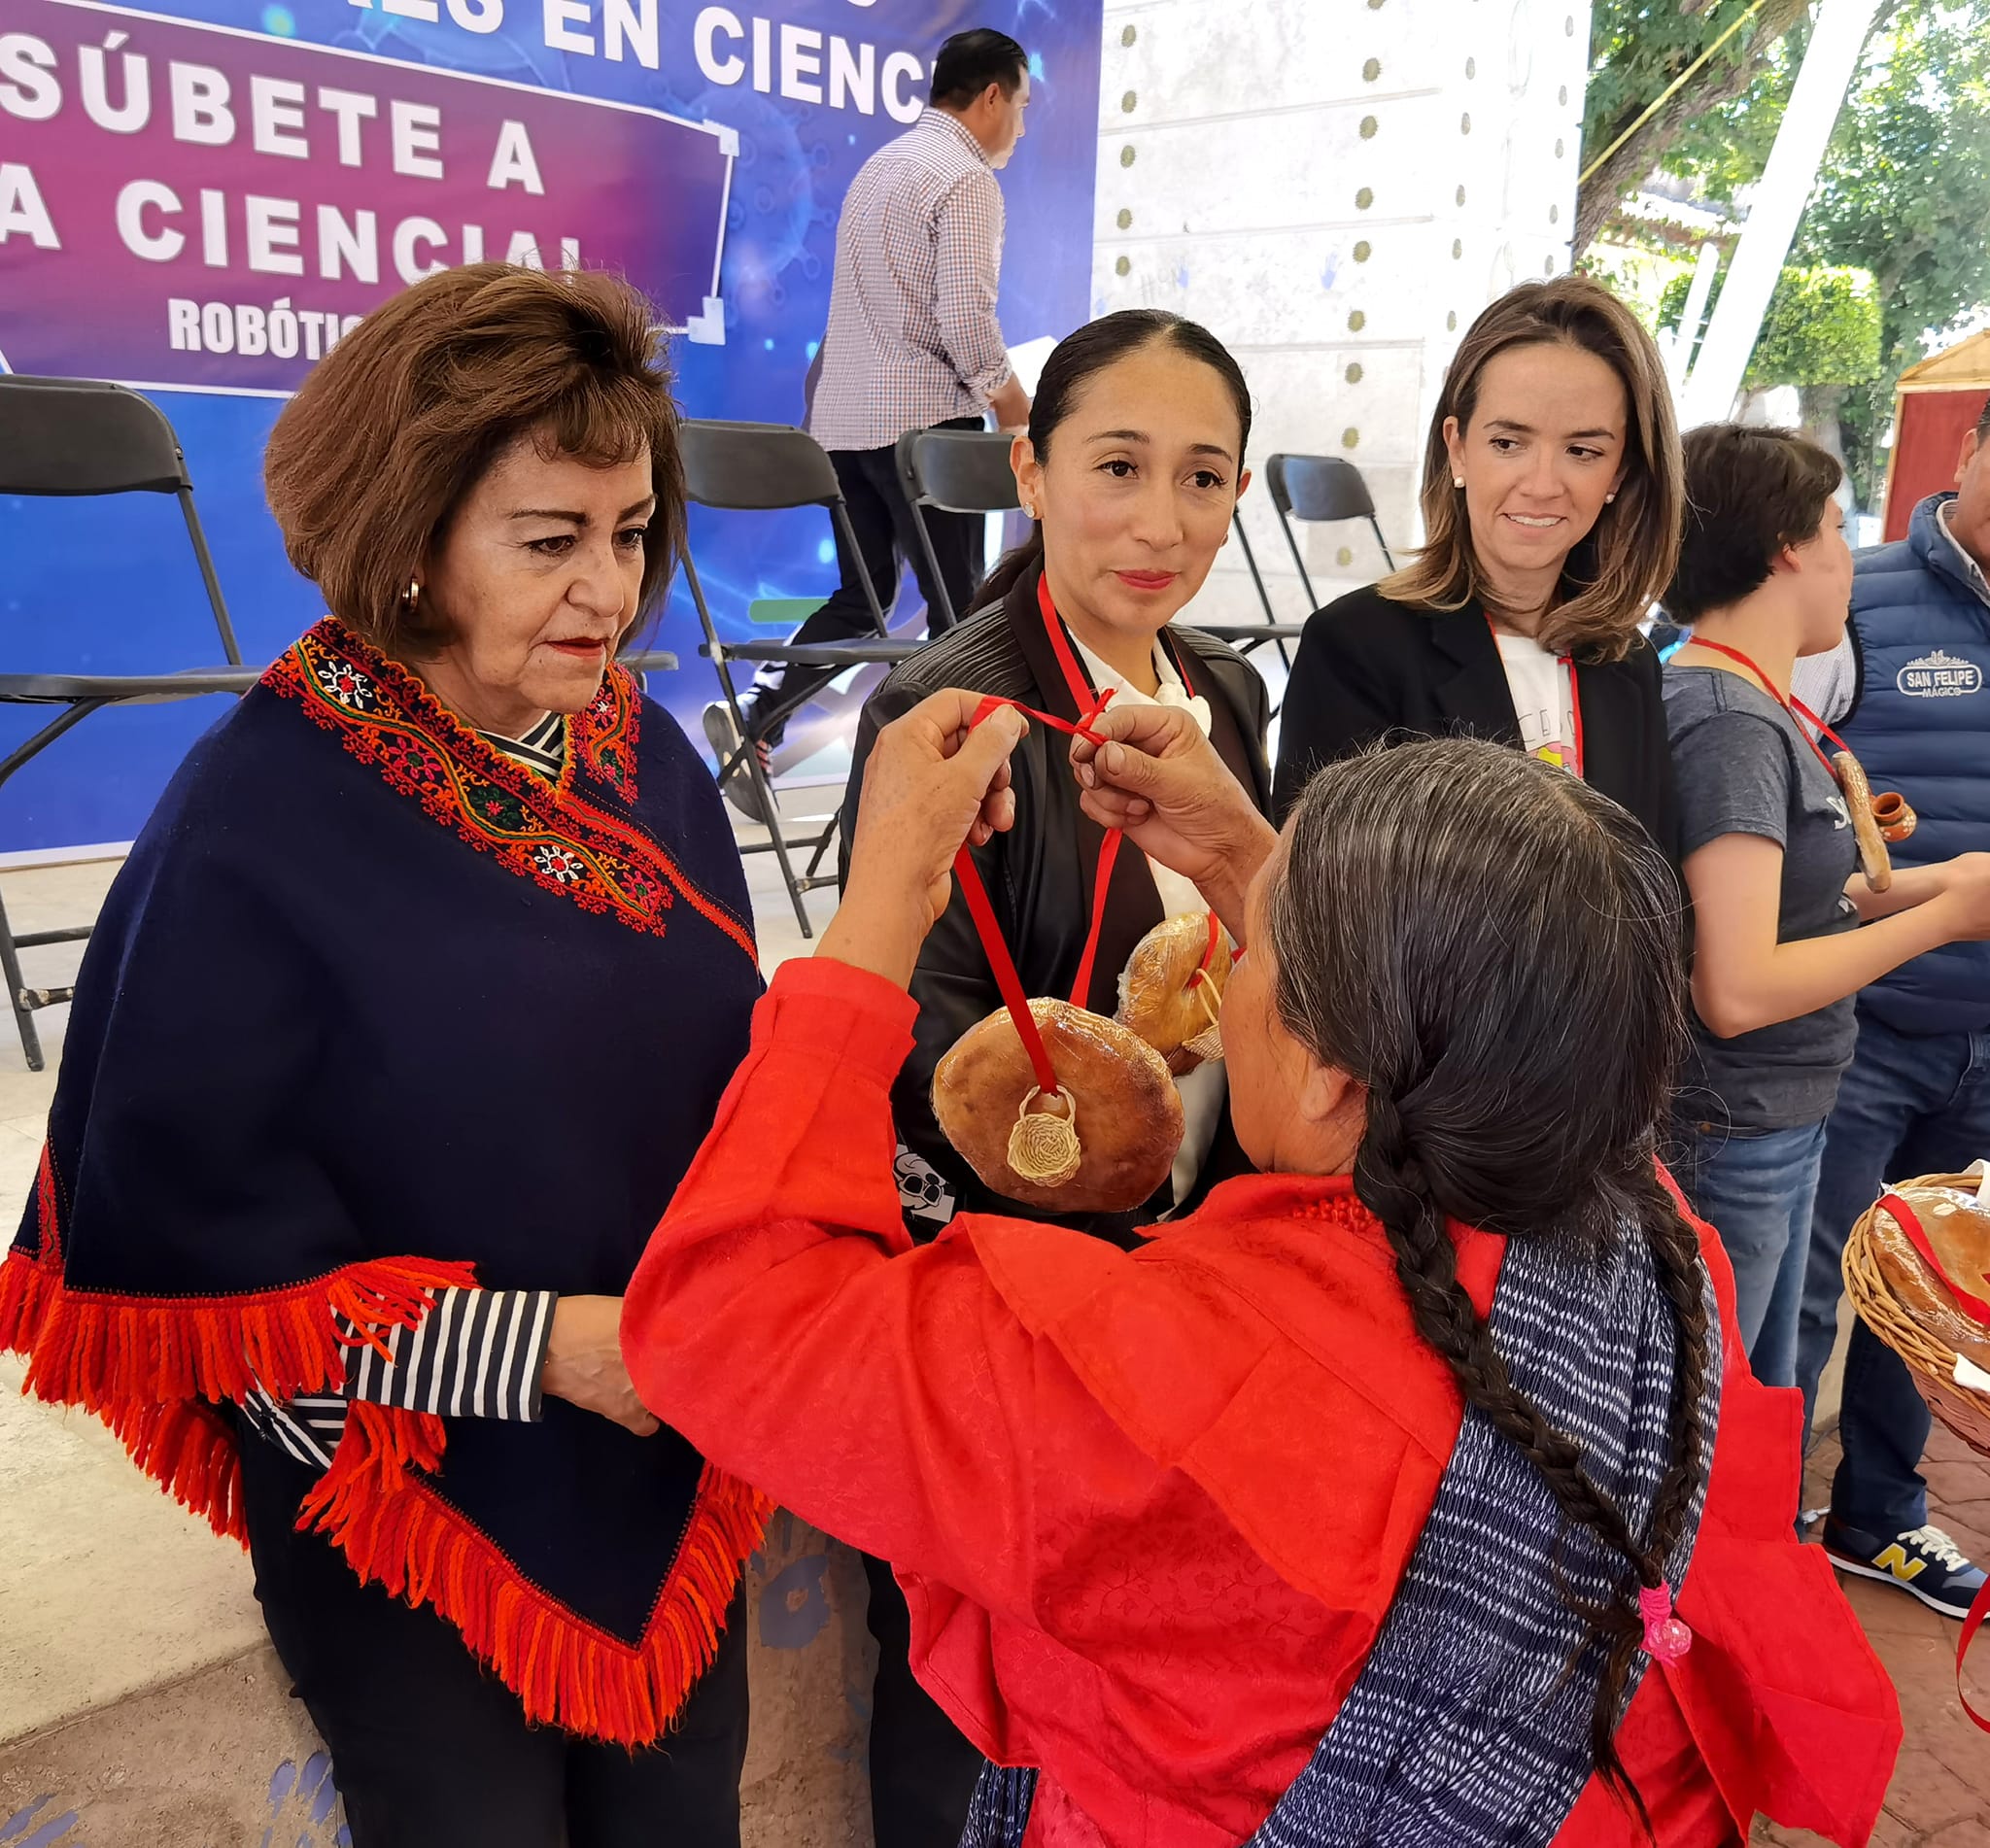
1552 502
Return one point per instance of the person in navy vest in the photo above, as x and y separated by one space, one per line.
1906 690
398 1029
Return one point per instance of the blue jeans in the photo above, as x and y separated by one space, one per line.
1755 1187
1911 1104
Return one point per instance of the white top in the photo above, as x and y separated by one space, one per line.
1543 698
1204 1089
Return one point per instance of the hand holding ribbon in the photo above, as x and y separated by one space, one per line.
1150 771
935 778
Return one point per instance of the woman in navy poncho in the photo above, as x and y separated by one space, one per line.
399 1027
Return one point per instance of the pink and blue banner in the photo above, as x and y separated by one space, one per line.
199 198
199 207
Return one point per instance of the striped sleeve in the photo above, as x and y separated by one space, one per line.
477 1353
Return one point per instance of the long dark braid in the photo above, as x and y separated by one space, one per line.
1492 949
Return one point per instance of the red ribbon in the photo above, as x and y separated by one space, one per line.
1978 1310
989 930
1090 706
1972 1623
1574 699
1973 1307
1790 703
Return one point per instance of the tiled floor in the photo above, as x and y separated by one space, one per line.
1941 1795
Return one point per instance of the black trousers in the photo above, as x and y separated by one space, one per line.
881 518
922 1770
431 1751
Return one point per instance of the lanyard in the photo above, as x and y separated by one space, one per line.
989 929
1791 705
1089 704
1566 666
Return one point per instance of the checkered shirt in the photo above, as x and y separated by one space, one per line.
913 339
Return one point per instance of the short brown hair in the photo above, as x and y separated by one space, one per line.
1612 577
394 427
1749 492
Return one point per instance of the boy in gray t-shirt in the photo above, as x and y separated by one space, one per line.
1785 933
1742 769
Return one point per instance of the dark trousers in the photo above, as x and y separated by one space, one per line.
922 1771
882 517
1910 1103
431 1751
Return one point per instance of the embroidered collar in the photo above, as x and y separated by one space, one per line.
554 831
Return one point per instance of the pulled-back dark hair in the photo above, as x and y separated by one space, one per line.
1983 422
1749 492
969 61
1080 356
1491 947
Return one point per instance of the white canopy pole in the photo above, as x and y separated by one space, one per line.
1838 36
1679 355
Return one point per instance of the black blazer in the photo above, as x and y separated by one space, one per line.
1369 669
1040 874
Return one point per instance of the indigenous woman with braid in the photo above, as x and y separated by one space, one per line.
1410 1491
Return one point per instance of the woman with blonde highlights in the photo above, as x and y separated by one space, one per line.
1552 499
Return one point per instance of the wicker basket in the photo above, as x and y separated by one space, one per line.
1929 1362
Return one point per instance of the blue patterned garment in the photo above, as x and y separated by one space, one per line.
1465 1727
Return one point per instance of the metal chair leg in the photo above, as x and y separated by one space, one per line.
763 789
1257 578
1312 596
16 996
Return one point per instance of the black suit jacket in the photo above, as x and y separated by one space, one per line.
1370 669
1040 874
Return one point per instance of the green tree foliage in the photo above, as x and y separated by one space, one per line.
1822 327
1903 189
1904 192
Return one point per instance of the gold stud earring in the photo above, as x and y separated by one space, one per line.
1608 497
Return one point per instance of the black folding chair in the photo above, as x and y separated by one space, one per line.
1271 616
766 469
72 437
955 472
1322 489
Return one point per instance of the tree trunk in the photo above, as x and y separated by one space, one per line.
1821 406
1711 87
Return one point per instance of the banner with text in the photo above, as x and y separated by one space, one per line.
200 200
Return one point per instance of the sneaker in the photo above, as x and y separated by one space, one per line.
1923 1560
722 734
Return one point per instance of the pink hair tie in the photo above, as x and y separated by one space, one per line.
1665 1637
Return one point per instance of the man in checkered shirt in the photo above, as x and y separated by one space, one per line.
912 343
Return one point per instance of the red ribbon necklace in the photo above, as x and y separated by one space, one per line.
1797 711
1978 1310
1089 704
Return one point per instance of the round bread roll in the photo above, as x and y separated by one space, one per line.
1171 987
1874 858
1115 1091
1958 1232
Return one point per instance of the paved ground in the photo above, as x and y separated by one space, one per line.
1941 1795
